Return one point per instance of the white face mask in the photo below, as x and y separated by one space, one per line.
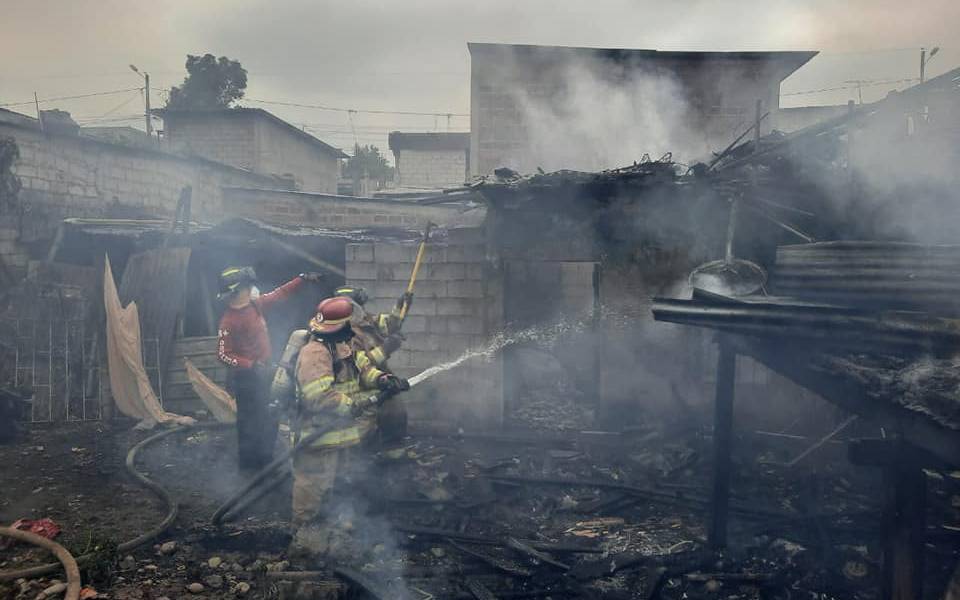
254 292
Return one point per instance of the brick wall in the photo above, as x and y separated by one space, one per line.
457 307
431 169
70 176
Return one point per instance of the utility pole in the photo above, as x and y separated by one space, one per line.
146 103
923 63
146 98
924 59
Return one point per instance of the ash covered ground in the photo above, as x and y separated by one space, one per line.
452 517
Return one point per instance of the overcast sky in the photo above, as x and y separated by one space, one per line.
411 55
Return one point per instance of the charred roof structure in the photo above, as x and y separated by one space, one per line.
870 326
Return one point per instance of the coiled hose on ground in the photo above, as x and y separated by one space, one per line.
164 495
66 559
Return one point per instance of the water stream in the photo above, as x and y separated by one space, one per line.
543 336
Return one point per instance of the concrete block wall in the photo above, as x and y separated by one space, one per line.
431 169
70 176
457 308
226 140
13 257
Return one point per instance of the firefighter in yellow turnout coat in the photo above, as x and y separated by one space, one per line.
378 335
335 381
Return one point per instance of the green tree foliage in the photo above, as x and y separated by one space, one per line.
367 161
210 83
9 182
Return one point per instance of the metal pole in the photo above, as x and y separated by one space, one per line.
50 371
923 63
66 366
36 102
146 101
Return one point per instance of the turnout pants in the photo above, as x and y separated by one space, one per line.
256 425
325 522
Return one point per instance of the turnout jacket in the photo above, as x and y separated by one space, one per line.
370 332
331 377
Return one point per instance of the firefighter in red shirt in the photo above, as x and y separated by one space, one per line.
244 345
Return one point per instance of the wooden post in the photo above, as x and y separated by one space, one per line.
722 439
904 512
905 490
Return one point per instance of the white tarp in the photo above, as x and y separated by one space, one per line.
217 400
129 383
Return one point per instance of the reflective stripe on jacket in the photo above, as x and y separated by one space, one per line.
329 387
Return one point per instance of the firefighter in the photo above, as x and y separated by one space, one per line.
244 346
378 335
335 383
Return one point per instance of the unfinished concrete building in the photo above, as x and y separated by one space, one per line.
430 161
255 140
517 91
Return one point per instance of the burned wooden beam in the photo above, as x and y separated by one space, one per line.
492 541
904 512
478 590
722 445
501 563
536 554
689 501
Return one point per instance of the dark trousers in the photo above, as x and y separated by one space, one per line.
256 424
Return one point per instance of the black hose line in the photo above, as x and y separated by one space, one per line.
256 495
152 534
226 507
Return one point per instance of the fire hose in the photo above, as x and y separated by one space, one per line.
268 470
152 534
66 559
228 506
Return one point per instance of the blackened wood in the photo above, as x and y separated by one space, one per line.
722 440
904 527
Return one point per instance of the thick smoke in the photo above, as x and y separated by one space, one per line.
593 120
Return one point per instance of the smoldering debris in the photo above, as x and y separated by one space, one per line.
555 516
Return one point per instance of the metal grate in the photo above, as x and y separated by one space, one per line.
58 362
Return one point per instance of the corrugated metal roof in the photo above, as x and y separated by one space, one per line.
871 274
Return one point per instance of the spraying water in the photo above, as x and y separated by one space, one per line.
542 335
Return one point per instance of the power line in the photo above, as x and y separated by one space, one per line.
863 83
71 97
357 110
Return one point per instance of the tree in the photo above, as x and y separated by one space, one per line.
367 161
210 83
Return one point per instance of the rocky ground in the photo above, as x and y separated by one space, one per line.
462 516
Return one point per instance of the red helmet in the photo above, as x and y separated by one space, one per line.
332 315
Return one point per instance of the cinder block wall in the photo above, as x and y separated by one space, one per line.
457 307
431 168
70 176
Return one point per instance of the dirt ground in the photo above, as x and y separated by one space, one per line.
810 532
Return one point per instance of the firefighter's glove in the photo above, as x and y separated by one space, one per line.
405 300
312 277
358 407
392 384
392 343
